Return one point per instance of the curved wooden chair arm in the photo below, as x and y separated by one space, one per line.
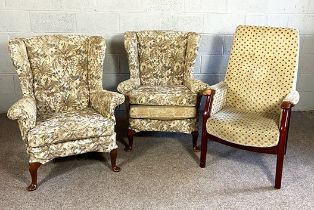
208 92
286 105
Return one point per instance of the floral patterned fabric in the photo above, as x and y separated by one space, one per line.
261 72
105 102
64 110
184 126
46 153
163 95
161 57
196 86
163 112
24 110
128 85
60 80
69 126
161 64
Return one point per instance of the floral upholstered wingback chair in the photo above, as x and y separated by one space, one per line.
251 108
162 94
64 110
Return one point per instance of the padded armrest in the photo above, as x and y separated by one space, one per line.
196 86
105 102
25 111
291 99
220 92
128 85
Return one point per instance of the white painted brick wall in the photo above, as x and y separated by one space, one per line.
215 20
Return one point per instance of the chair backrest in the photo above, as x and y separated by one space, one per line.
164 57
262 68
63 70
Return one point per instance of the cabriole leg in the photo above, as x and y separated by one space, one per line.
113 157
33 167
129 147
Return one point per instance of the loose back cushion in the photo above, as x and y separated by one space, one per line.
262 68
162 57
59 68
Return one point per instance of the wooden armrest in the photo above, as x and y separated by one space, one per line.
208 92
286 105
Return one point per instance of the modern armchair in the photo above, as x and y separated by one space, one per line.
161 92
251 108
64 109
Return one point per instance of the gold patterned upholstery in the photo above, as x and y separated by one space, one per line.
163 95
163 112
241 127
262 71
161 65
251 108
64 106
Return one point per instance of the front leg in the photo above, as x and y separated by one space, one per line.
195 137
129 147
33 167
113 157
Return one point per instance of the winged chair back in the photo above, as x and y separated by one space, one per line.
161 57
262 68
59 71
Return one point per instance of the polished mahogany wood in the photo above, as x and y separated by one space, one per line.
206 115
113 158
33 167
129 146
279 150
194 141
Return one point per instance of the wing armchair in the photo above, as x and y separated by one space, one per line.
162 94
251 108
64 110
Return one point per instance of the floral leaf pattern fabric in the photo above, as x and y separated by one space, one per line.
60 80
69 126
193 41
161 64
196 86
24 110
96 52
105 102
184 126
131 47
48 152
64 110
162 57
163 95
20 61
128 85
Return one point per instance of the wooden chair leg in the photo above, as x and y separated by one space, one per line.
129 147
279 167
113 157
195 137
203 150
33 167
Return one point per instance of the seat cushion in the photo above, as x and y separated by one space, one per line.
248 129
163 95
68 126
162 112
